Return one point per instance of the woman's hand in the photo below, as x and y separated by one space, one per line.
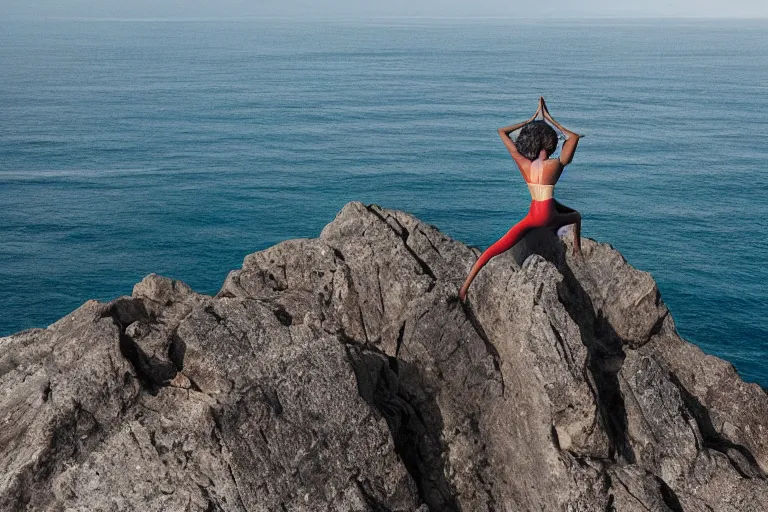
545 111
508 129
539 110
530 119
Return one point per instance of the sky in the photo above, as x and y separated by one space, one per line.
309 9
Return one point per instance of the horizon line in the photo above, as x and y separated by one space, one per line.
377 18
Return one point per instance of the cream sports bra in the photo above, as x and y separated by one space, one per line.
539 191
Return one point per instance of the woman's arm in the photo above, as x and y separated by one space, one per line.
509 129
571 141
551 119
522 163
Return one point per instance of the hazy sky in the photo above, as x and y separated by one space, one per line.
379 8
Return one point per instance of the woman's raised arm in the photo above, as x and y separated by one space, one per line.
522 163
572 140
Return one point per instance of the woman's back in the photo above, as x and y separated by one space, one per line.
544 171
542 176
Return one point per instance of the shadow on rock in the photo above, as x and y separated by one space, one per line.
413 418
605 347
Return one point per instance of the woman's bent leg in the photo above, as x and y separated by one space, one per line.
561 208
574 217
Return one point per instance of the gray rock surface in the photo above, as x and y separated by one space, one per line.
342 373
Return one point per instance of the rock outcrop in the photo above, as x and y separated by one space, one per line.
342 373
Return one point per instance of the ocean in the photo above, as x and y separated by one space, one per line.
178 147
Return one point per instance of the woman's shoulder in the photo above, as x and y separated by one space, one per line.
554 163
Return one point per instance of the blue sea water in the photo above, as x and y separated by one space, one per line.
131 147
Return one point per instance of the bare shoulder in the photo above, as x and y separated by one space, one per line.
554 164
552 170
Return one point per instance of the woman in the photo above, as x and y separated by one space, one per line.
536 142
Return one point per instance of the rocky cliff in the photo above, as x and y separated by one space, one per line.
342 373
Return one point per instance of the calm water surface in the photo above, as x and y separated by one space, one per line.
179 147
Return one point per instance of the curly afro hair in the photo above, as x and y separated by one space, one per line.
534 137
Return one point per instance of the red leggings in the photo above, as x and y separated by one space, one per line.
541 214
